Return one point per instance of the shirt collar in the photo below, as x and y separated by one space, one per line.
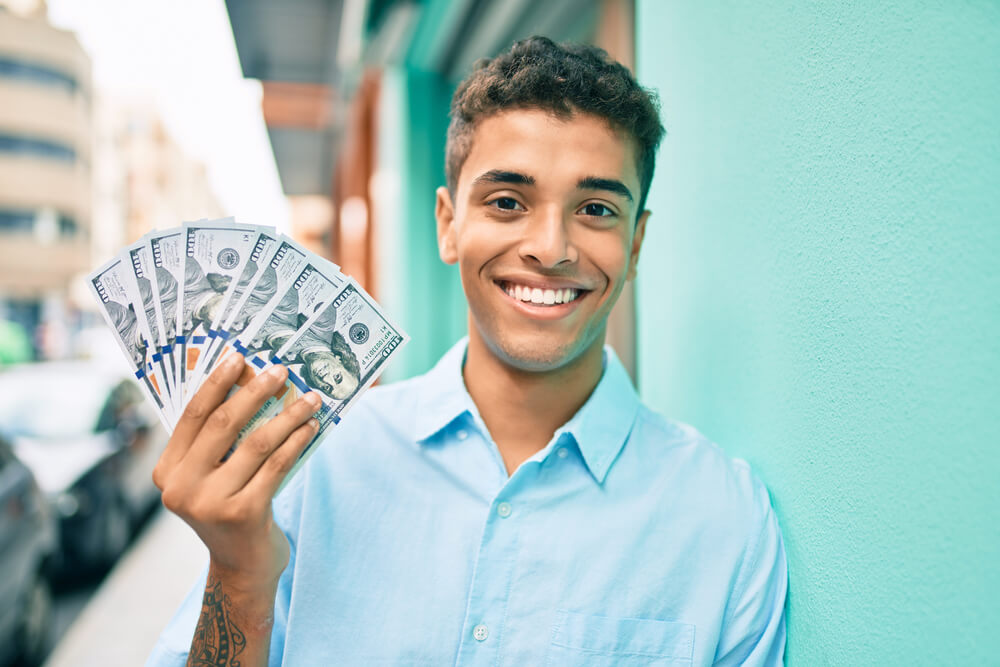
604 423
600 428
443 397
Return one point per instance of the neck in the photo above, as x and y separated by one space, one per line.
522 409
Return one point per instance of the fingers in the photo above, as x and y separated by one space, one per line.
223 426
251 454
265 483
201 405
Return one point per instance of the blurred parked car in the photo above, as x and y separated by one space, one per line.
91 439
28 539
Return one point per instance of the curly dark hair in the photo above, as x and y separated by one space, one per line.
563 79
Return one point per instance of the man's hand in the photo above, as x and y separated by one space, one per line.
228 503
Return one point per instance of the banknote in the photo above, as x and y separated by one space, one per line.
311 290
338 353
276 265
109 286
214 255
168 273
141 261
180 301
263 249
153 356
266 294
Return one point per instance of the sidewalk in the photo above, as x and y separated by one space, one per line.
127 613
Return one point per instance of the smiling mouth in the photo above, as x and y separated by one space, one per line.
538 296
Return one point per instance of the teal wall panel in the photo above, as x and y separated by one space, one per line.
820 293
423 294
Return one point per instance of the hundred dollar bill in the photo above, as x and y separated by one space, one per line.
265 296
339 352
153 366
140 259
168 273
214 255
109 286
263 246
311 290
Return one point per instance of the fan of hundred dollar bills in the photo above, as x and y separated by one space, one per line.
181 300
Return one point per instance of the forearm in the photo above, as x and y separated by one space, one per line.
228 505
234 628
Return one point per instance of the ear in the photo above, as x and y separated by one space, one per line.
444 212
637 236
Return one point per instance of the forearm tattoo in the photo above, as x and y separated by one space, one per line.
217 640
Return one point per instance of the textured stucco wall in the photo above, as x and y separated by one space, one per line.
820 293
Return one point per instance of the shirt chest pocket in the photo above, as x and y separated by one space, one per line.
583 639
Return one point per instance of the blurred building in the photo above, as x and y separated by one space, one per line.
45 167
356 99
143 180
81 175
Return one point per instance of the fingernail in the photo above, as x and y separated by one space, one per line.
313 399
314 424
276 370
234 359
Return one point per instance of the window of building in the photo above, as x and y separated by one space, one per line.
14 68
44 148
23 221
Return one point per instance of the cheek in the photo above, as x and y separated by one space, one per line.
607 252
477 245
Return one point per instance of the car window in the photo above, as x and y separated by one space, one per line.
124 396
47 407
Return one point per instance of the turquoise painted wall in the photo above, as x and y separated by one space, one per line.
820 294
423 294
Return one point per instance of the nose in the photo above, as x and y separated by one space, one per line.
546 239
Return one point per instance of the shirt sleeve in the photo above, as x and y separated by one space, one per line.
753 631
171 650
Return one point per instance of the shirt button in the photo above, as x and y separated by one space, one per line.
480 632
503 509
562 452
462 435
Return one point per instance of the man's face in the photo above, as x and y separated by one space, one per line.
543 228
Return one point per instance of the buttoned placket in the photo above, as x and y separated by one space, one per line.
496 558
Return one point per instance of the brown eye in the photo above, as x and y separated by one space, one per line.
597 210
505 204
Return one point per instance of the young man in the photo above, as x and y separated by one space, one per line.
516 505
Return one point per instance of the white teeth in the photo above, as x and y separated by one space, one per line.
540 296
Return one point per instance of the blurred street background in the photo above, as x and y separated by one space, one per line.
324 118
818 290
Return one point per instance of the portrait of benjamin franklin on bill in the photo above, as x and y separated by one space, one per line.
202 296
168 302
260 295
280 325
128 328
328 364
146 294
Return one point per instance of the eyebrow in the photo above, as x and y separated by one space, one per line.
608 184
501 176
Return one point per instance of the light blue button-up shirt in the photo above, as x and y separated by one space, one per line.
628 540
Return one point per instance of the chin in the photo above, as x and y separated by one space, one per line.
537 354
